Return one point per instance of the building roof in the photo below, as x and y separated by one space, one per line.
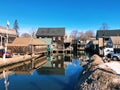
50 32
115 39
26 42
37 42
107 33
4 30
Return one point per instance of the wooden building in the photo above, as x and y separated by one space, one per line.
103 37
68 45
27 46
57 35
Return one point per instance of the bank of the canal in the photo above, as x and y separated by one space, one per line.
98 75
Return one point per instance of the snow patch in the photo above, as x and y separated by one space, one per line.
114 65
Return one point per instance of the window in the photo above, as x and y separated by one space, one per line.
53 38
60 46
59 38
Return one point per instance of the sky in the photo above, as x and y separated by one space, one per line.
81 15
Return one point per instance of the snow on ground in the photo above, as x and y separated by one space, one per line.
114 65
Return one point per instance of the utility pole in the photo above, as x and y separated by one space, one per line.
6 41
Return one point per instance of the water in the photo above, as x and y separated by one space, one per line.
58 73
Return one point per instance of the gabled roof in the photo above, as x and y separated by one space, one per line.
26 42
37 42
107 33
50 32
115 39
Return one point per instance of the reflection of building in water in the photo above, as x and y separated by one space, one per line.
84 55
21 68
58 61
26 67
49 57
68 58
54 66
51 70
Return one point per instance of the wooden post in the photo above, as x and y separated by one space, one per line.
1 40
33 64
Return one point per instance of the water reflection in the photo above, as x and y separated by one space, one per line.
4 78
58 72
62 71
6 82
73 71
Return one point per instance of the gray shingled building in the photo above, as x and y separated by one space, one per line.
107 33
57 36
50 32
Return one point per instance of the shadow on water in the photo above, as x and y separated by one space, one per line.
60 72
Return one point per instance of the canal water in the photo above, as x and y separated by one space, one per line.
60 72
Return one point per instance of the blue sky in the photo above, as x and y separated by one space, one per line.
79 15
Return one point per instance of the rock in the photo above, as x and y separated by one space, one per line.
97 60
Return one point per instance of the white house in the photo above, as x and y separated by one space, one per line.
4 32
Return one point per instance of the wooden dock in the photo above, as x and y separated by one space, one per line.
16 59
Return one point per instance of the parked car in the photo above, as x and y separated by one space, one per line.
114 56
108 51
8 54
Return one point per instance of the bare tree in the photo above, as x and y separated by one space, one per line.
33 33
26 35
82 36
89 34
74 34
104 26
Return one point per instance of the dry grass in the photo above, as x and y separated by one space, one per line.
97 60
